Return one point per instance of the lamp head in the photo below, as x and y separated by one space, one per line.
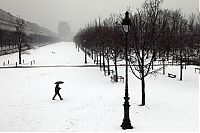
126 22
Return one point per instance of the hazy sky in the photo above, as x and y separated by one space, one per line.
48 13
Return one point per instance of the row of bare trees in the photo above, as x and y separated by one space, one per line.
18 40
155 33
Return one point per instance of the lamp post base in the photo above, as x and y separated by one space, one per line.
126 125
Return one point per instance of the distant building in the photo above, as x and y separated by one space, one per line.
7 23
64 31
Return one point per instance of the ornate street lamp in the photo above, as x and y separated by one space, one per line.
126 124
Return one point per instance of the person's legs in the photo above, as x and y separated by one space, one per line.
54 96
60 96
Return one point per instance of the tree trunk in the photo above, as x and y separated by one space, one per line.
92 54
94 58
104 61
167 55
163 60
143 91
142 79
115 62
108 62
97 59
20 50
85 56
147 54
181 66
100 60
108 66
188 59
159 54
185 60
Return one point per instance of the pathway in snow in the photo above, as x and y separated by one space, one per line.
91 102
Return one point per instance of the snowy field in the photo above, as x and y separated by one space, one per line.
91 102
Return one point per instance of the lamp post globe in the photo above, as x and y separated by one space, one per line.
126 124
126 22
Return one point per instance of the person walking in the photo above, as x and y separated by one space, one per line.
57 89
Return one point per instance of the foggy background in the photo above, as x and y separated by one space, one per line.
48 13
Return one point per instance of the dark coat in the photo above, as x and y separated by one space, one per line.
57 88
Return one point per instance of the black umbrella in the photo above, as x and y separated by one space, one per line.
59 82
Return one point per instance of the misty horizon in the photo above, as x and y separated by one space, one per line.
78 13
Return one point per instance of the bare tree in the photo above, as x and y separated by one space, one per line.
20 26
115 39
144 40
154 33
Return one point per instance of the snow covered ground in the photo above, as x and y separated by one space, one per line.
91 102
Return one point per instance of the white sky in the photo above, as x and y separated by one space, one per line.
48 13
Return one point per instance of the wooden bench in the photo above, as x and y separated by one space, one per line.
121 78
106 72
170 62
98 63
197 69
171 75
114 78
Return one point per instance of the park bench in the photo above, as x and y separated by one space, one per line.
121 78
106 72
197 69
98 63
170 62
159 61
171 75
114 78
